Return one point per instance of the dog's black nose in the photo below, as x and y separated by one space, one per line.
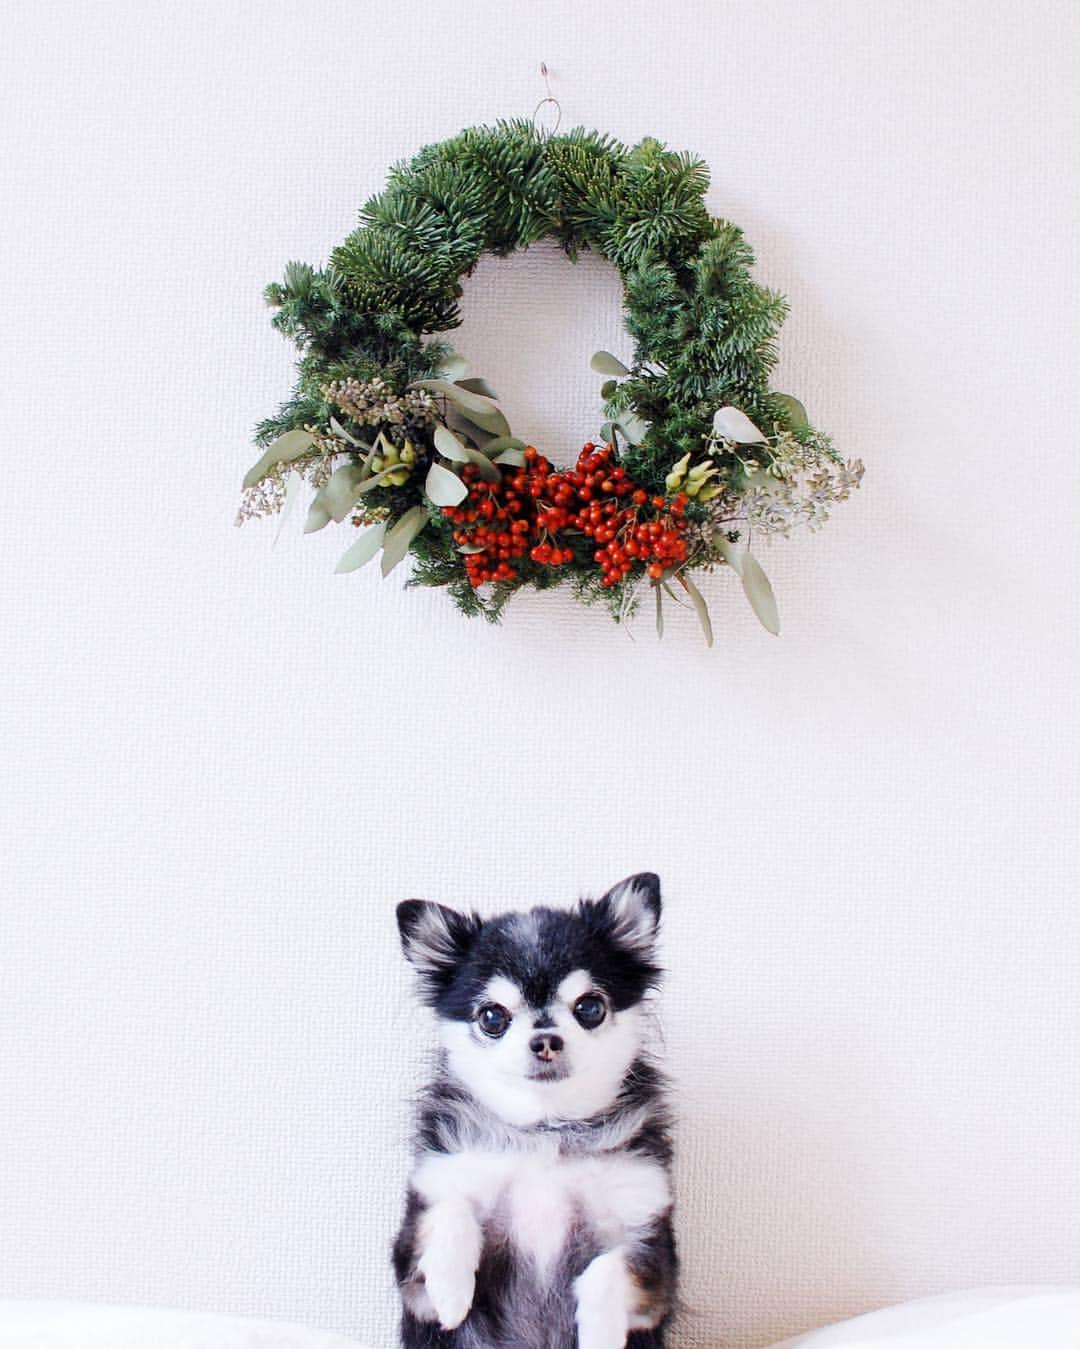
546 1047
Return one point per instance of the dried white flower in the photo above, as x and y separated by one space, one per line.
375 404
267 497
798 485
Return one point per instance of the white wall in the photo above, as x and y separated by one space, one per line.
223 765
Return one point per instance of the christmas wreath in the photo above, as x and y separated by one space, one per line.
693 451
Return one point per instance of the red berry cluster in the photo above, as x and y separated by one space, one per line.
533 506
498 522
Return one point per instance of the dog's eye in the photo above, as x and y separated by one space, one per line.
590 1010
493 1020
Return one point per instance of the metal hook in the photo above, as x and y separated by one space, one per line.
549 98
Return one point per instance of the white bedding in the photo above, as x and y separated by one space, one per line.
72 1325
1043 1317
989 1318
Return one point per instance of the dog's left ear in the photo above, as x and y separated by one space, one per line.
435 940
631 911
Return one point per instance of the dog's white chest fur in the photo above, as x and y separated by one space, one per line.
537 1197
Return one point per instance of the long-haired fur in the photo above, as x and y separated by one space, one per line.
539 1207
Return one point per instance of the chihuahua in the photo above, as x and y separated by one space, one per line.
539 1206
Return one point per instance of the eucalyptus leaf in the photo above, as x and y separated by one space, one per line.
292 495
736 426
318 517
292 445
483 465
605 364
697 599
341 433
632 426
760 594
334 500
607 389
363 550
477 385
449 446
671 594
443 487
516 458
728 551
454 367
338 494
467 549
491 419
795 412
477 407
399 538
492 448
467 430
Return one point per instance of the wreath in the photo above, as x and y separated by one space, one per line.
693 451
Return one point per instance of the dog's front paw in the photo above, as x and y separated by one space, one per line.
603 1303
451 1255
450 1289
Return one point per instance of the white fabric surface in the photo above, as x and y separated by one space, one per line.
68 1325
221 764
983 1318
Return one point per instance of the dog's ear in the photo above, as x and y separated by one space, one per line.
435 940
631 913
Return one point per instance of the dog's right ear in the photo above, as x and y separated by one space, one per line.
435 940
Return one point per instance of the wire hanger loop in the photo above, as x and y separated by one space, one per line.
549 100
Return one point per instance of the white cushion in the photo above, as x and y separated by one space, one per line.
1045 1317
72 1325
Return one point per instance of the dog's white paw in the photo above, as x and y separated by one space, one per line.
451 1254
450 1289
603 1303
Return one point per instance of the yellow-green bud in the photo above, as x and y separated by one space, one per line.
698 477
673 481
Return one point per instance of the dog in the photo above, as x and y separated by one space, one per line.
539 1208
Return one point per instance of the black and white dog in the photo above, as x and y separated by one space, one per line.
539 1207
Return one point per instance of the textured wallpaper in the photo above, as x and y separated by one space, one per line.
221 765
